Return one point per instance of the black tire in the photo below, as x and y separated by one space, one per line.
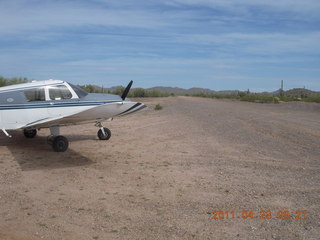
60 144
30 133
101 136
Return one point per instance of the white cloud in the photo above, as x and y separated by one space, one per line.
298 6
257 43
42 16
179 40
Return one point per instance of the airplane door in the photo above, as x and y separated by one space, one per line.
61 102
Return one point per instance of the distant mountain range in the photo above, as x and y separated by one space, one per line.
301 92
169 90
295 92
190 91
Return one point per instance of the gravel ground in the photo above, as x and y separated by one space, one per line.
197 169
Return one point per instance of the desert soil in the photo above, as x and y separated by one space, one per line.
164 173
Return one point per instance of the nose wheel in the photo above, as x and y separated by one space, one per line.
104 134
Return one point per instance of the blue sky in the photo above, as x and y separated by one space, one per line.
217 44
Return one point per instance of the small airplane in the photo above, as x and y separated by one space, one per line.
54 103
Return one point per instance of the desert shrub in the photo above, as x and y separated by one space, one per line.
139 92
312 99
215 95
276 100
118 91
87 88
242 94
11 81
258 98
288 98
156 93
158 107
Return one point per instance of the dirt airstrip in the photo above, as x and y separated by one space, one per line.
163 174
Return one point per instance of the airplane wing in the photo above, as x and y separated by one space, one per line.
46 122
98 113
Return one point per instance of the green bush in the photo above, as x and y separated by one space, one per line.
138 92
11 81
215 95
276 100
258 98
158 107
288 99
312 99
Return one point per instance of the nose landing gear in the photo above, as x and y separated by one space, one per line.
103 133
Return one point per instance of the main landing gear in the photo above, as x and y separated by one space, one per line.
60 143
30 133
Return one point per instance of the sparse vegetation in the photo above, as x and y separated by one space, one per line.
42 225
258 98
141 92
296 94
158 107
216 95
11 81
135 92
312 99
267 98
282 96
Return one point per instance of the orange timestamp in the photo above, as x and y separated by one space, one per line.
263 214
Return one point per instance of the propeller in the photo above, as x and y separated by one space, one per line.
126 91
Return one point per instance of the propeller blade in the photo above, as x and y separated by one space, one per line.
126 91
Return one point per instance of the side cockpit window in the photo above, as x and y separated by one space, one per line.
35 94
59 92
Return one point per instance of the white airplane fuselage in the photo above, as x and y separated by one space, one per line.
16 113
70 112
55 103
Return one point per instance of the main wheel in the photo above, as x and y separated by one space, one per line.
101 136
30 133
60 144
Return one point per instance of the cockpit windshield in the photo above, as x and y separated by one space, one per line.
79 91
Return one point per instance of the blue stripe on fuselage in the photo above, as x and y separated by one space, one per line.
54 105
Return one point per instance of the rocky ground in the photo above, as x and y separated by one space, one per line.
163 174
